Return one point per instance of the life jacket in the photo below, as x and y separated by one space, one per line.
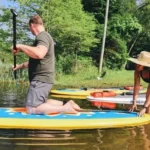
145 74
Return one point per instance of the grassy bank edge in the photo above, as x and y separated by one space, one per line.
119 78
85 77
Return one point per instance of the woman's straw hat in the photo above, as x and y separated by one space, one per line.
143 59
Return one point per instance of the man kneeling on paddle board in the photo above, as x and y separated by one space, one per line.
41 72
142 70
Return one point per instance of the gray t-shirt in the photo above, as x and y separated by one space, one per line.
43 69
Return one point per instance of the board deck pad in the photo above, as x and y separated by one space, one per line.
21 113
18 118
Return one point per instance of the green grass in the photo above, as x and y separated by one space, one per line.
85 77
88 78
7 75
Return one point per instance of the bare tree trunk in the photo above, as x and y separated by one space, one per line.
133 44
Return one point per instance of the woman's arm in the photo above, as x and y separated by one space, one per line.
138 69
136 82
146 107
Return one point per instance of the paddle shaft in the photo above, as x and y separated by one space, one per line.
14 38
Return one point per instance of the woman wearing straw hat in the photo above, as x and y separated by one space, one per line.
142 70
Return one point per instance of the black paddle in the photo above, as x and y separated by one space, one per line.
14 37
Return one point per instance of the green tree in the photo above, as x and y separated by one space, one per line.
143 40
73 29
122 28
6 35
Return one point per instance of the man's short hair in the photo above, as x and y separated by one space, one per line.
36 19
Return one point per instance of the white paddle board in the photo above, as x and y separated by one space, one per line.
118 100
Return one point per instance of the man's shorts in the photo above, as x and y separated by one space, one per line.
37 93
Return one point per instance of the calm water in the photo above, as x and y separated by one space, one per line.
134 138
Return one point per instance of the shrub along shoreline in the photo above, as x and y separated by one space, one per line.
85 78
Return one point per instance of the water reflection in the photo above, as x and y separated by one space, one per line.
44 140
145 132
135 138
101 139
12 95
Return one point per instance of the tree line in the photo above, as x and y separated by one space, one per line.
77 28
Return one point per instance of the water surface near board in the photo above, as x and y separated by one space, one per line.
133 138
